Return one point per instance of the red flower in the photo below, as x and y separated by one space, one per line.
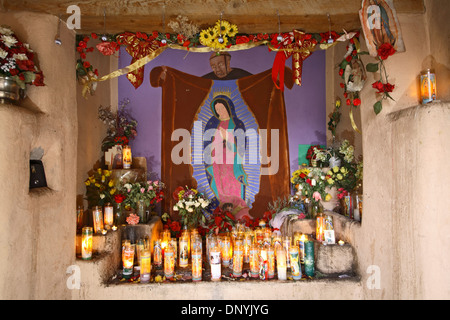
86 64
341 72
348 102
242 39
39 80
218 220
94 35
385 50
176 192
356 102
119 198
388 87
378 85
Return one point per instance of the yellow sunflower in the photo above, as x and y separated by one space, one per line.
222 27
232 31
207 36
217 45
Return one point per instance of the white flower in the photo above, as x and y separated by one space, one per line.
3 54
205 204
190 209
180 204
197 204
313 182
102 196
8 40
175 208
20 56
127 185
6 31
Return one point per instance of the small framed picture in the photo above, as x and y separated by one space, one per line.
329 237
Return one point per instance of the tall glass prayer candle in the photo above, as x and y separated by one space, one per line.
124 244
174 244
320 227
277 242
263 264
259 236
301 247
157 254
427 86
271 262
127 158
139 248
296 270
287 241
97 215
281 264
216 266
146 265
254 261
226 251
309 258
86 243
238 260
80 218
184 252
169 262
196 263
248 239
128 261
196 241
211 242
108 216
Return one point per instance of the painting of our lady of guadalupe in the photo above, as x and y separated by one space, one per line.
380 25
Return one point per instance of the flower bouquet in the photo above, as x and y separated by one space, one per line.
219 36
221 221
174 226
191 206
100 188
311 154
149 193
310 185
16 60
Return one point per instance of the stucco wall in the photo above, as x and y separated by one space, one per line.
37 228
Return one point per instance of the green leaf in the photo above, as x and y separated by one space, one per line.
372 67
377 107
343 64
389 96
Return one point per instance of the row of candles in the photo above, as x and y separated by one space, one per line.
259 248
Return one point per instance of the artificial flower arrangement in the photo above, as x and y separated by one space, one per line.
310 184
191 205
122 127
16 60
100 188
383 86
222 220
149 192
174 226
311 154
218 36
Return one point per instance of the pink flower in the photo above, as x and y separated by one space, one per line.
133 219
150 188
316 195
142 190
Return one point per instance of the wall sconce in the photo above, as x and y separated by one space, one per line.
427 86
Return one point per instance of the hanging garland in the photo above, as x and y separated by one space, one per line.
223 36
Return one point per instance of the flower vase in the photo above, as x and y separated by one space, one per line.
315 207
141 211
10 91
119 216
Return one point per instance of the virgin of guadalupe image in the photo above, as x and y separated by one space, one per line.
225 154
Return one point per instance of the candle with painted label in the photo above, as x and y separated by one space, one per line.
196 263
296 270
174 244
146 265
271 262
238 260
127 158
216 266
183 249
309 258
301 247
86 243
128 261
248 239
254 261
169 262
281 263
287 241
226 251
428 86
157 254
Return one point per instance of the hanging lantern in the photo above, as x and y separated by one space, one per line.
427 86
86 243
